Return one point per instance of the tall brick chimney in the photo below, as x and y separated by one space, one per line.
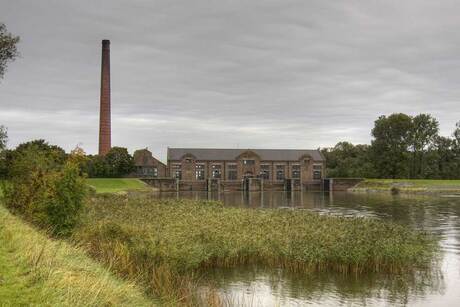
104 115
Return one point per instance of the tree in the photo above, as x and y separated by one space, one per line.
44 193
120 162
78 156
441 162
3 138
390 145
3 152
402 147
57 154
424 130
96 167
456 136
348 160
8 50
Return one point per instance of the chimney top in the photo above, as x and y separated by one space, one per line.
105 42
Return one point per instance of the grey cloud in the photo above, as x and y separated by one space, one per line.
229 73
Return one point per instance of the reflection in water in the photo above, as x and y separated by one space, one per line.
265 287
296 288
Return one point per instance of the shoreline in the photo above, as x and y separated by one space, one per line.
448 188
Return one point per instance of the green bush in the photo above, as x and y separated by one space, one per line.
48 195
66 201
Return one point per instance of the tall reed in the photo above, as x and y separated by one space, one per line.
163 243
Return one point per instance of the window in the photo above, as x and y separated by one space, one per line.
188 160
295 171
280 172
231 175
148 171
177 171
199 171
317 175
249 162
265 171
317 171
216 171
231 172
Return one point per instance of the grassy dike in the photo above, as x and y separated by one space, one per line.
422 186
38 271
115 185
165 242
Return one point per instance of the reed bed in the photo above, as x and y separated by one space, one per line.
163 243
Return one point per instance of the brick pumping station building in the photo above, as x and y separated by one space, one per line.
232 169
214 169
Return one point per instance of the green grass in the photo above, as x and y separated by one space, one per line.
114 185
15 288
409 185
159 240
38 271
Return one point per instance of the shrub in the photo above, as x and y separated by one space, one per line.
48 195
66 201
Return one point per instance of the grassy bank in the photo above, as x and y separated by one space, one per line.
408 186
35 270
114 185
163 241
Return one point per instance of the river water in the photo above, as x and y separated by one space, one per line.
440 286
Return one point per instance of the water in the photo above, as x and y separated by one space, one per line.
258 286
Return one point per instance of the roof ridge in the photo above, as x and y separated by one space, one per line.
230 153
218 148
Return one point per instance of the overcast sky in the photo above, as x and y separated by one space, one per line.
247 74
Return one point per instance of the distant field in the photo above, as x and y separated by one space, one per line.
409 185
113 185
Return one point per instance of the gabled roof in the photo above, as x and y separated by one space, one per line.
220 154
143 157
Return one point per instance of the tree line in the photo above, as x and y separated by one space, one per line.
116 163
402 146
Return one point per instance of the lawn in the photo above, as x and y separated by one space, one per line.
38 271
114 185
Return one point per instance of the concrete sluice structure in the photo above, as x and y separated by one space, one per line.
217 185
